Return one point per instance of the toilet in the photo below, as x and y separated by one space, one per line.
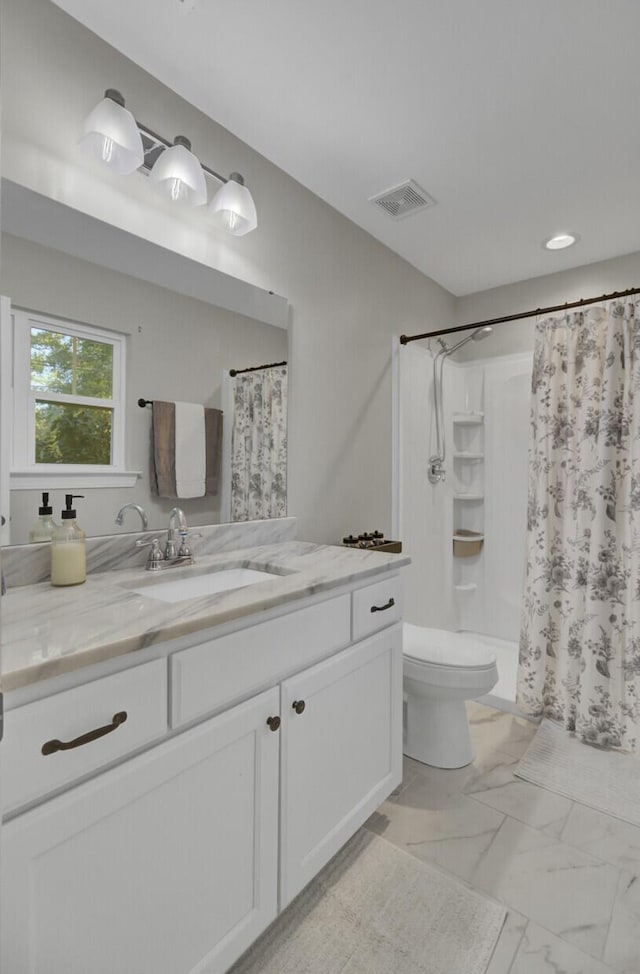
439 675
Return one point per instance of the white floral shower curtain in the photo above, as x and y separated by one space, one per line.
580 639
259 445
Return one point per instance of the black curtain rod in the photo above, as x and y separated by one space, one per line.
255 368
405 339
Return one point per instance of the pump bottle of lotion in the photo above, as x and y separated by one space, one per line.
68 555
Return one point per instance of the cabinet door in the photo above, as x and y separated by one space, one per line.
341 755
164 865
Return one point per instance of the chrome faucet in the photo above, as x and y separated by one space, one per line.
133 507
177 550
172 548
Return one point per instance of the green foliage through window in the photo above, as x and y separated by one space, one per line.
72 434
71 365
65 366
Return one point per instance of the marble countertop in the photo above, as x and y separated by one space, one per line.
47 631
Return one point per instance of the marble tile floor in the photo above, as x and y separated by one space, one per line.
569 875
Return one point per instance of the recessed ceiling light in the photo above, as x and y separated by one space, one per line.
560 241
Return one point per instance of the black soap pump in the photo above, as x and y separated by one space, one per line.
43 528
68 553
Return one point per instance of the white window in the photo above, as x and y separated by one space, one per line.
68 404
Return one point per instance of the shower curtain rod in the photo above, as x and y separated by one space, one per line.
405 339
255 368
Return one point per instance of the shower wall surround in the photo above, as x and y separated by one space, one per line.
489 400
507 392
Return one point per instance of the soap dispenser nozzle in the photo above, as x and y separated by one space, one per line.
68 500
45 508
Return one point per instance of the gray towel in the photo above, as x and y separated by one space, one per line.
213 436
164 449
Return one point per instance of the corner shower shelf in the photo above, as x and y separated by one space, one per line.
468 456
466 587
468 497
468 419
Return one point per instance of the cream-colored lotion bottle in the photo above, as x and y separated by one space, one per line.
68 552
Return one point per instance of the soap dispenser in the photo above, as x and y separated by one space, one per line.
43 528
68 555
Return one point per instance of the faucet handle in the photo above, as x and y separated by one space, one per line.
155 557
184 550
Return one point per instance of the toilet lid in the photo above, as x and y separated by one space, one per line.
447 649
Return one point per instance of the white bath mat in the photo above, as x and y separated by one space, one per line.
377 910
606 780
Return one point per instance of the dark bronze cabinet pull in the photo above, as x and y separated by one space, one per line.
298 706
381 608
52 746
273 723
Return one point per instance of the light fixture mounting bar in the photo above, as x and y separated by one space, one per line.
154 145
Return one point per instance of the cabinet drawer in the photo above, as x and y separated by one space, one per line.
140 692
376 606
219 671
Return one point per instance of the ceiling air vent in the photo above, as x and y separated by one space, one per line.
403 200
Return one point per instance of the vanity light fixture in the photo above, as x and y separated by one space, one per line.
115 139
560 242
177 174
232 208
111 135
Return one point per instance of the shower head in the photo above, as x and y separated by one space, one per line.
481 333
476 336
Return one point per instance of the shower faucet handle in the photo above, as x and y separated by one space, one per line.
436 472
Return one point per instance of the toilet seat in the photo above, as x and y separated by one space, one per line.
448 654
476 679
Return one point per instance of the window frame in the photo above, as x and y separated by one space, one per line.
25 473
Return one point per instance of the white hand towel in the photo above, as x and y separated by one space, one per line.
190 450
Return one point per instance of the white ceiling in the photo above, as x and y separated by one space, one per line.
521 117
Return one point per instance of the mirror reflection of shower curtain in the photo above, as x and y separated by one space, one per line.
259 445
580 640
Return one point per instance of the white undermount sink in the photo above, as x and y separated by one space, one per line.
211 583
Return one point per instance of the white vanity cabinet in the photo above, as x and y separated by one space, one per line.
166 864
341 752
175 860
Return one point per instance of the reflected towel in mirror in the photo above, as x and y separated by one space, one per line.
186 449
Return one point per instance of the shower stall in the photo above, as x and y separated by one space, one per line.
461 493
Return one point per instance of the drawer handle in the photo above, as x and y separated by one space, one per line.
298 706
52 746
380 608
273 723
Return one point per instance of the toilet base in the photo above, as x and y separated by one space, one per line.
437 732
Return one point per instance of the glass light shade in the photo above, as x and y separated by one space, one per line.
111 137
178 175
233 209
